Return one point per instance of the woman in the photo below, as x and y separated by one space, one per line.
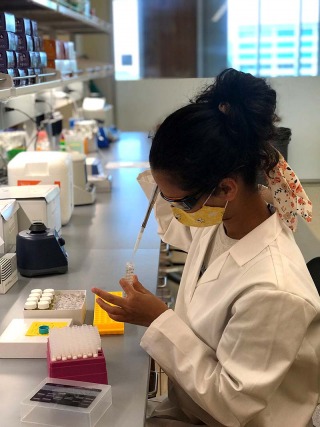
242 346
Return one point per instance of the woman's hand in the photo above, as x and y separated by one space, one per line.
139 307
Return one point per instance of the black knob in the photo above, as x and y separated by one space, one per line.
61 241
37 227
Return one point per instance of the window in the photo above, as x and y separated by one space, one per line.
176 38
287 29
126 39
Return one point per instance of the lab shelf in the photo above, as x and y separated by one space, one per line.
55 17
51 79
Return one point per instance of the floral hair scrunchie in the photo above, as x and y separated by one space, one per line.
288 194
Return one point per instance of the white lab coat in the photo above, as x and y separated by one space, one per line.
242 347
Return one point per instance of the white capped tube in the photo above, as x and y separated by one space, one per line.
129 272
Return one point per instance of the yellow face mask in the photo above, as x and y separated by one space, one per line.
206 216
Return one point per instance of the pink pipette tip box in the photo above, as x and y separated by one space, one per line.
90 369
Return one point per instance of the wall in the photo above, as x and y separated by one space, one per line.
142 104
308 234
99 47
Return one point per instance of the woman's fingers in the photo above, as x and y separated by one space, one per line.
139 307
135 285
114 312
110 298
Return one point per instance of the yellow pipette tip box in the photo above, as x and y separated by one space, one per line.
103 322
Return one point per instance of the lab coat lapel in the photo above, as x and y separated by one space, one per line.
214 269
194 269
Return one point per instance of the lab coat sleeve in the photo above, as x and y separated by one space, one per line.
257 347
169 229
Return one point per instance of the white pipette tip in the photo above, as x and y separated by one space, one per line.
136 245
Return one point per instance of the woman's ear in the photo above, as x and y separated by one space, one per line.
228 188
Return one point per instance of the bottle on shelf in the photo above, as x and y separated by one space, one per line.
62 143
43 143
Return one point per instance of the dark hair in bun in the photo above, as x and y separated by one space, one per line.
225 129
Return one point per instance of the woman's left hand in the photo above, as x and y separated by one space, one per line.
139 307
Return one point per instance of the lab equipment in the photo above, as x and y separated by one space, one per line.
129 272
75 353
45 167
11 142
96 175
8 272
84 193
22 339
8 225
103 322
53 126
43 305
152 201
90 129
102 139
40 251
82 405
43 329
96 108
36 203
74 140
74 343
65 304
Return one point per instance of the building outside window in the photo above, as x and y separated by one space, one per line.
274 37
262 37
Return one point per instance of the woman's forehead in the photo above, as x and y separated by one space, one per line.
168 185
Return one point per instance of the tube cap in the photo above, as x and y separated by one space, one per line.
43 329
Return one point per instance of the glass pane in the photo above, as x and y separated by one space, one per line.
309 44
126 39
262 37
243 20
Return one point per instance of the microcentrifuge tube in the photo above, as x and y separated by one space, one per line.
129 272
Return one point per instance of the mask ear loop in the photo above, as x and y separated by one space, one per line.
225 206
208 197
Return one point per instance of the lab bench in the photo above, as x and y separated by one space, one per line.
99 241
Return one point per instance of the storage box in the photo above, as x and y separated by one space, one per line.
77 315
23 26
66 403
7 59
45 167
15 344
38 203
34 28
54 48
7 22
91 369
23 59
8 225
25 43
8 40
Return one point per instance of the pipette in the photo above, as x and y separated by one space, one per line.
146 218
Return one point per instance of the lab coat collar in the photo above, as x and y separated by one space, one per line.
244 250
257 240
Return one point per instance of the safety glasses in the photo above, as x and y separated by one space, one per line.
185 203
